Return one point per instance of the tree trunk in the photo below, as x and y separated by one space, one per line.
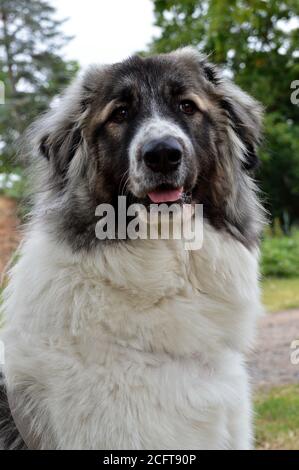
9 57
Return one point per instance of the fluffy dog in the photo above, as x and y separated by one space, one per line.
137 344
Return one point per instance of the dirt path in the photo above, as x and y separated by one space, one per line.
271 364
9 236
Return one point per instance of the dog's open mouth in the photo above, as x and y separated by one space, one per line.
164 194
167 194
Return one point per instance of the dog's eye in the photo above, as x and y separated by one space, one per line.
120 114
188 107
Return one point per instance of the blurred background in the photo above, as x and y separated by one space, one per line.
43 44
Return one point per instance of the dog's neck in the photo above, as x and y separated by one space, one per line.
149 295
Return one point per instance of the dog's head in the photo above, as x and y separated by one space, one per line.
158 129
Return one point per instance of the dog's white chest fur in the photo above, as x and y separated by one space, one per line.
138 345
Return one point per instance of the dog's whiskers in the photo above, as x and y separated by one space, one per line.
123 185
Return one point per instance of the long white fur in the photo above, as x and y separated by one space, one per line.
139 345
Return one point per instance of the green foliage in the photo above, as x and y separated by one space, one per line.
32 68
258 41
280 256
279 172
12 184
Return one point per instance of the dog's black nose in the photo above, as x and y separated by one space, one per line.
162 155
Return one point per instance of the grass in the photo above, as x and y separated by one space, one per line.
280 256
280 293
277 418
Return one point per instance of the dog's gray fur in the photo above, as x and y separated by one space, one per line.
82 160
81 157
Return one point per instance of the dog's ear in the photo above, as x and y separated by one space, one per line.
244 113
57 135
245 118
60 147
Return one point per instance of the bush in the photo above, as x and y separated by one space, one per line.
280 256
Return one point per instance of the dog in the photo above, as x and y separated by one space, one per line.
136 344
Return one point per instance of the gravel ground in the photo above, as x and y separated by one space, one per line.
270 364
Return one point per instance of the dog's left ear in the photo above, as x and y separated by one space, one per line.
245 118
244 112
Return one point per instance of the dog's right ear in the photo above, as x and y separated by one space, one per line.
59 147
58 134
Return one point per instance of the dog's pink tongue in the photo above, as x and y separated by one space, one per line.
167 195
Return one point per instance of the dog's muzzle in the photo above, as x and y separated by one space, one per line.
161 161
163 155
